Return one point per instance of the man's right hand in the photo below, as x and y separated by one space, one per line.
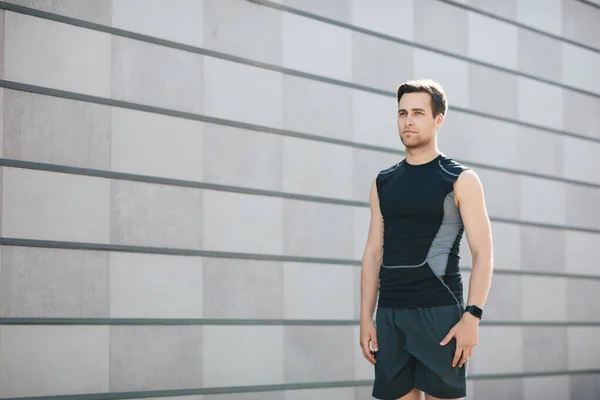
368 340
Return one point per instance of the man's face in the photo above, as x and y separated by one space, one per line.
416 124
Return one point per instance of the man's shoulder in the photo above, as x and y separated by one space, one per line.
389 169
452 167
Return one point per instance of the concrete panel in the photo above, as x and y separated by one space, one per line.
156 215
256 360
366 166
157 76
540 151
317 48
317 230
582 160
589 309
54 206
2 35
492 41
443 26
2 91
492 92
56 131
356 298
155 286
330 296
317 108
337 10
547 18
156 145
327 174
97 11
497 185
455 136
155 358
320 394
237 288
227 24
544 298
307 346
580 67
363 392
543 249
579 259
546 387
53 360
505 8
500 350
382 16
537 340
504 298
539 55
451 73
583 357
179 21
394 62
243 223
196 397
580 23
585 386
507 244
240 157
276 395
242 93
499 389
73 59
37 282
584 112
582 206
491 142
540 103
362 220
543 200
375 121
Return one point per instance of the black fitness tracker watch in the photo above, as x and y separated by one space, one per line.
476 311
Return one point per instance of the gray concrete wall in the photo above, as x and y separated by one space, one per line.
209 162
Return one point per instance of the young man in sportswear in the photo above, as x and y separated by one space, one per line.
423 333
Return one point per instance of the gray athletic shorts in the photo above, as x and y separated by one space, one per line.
410 354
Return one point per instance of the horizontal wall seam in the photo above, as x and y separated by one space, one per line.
19 242
369 32
280 387
523 26
291 72
51 321
237 189
264 129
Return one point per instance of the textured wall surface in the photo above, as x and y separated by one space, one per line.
176 174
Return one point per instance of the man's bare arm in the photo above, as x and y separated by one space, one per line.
471 201
371 260
369 282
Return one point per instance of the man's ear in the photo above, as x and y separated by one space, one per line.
439 120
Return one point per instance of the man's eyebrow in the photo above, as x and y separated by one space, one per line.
413 109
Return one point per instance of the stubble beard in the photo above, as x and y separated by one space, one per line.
415 143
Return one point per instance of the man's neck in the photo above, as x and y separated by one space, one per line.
421 156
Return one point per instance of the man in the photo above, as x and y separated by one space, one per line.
423 334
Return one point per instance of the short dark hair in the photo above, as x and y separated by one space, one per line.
439 102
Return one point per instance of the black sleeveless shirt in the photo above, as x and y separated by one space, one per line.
422 233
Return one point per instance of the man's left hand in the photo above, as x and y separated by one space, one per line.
465 332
